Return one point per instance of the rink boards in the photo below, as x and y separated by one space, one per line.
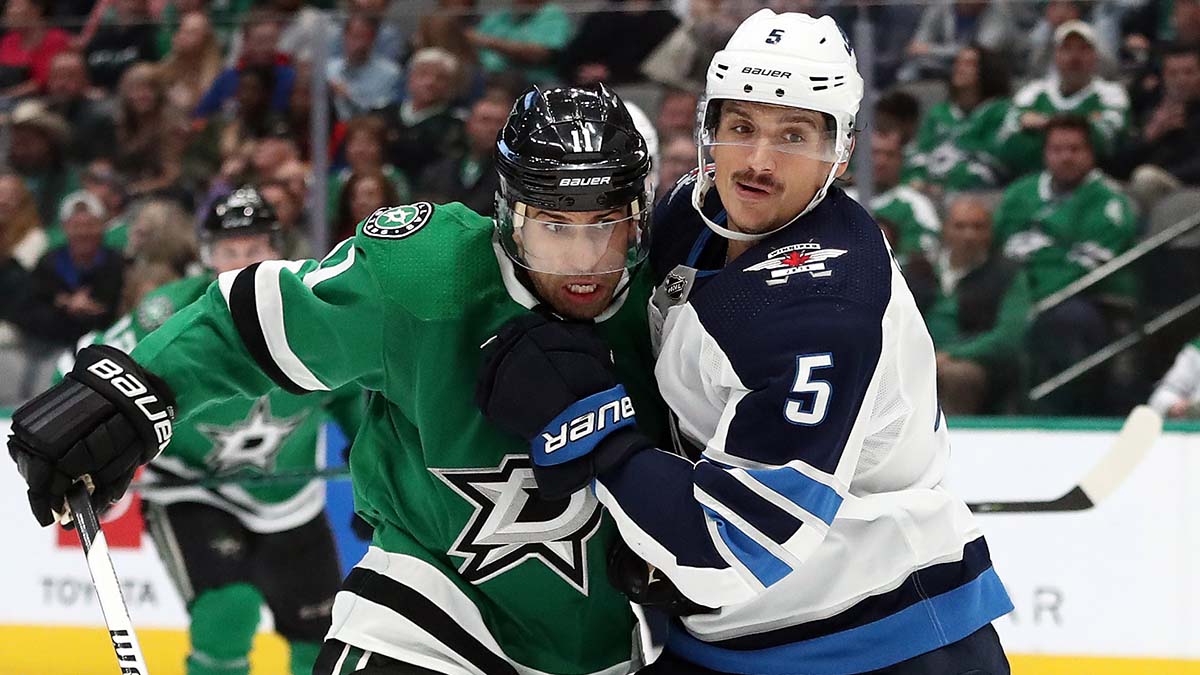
1108 591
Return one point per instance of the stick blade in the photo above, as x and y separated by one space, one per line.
1139 433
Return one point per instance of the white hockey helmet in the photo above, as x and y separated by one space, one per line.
788 59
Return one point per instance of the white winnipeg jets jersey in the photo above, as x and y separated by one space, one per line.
809 508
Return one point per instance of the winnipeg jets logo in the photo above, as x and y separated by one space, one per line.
511 525
252 443
782 263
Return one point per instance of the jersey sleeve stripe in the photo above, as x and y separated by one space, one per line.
777 524
814 497
270 319
323 273
240 295
766 567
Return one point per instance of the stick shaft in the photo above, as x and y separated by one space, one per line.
104 578
334 473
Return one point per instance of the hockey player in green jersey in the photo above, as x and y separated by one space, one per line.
471 570
230 549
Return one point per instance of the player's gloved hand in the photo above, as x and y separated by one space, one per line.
107 417
646 586
551 382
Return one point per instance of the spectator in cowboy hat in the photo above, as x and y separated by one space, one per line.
38 153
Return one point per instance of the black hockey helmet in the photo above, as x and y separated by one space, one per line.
569 150
243 212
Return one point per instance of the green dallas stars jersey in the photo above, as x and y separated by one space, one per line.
913 214
956 150
276 431
469 572
1105 105
1059 238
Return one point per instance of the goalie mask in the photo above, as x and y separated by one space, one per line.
566 151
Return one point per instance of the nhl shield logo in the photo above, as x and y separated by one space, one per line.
675 285
398 222
808 258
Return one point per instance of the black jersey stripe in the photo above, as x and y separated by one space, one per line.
422 611
924 583
243 307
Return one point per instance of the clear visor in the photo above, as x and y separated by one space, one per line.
572 244
735 134
821 146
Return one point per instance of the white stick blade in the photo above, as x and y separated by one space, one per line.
1139 433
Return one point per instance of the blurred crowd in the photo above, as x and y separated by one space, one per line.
1014 146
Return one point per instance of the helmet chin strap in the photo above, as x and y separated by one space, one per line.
704 183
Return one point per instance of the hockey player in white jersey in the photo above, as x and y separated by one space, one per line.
807 511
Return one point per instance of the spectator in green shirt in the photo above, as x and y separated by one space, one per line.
525 37
1073 87
913 213
975 303
956 146
1060 224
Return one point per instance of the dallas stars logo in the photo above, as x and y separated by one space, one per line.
511 525
398 222
252 443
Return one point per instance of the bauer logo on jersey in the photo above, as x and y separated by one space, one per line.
398 222
808 258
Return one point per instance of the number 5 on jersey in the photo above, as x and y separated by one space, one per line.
810 409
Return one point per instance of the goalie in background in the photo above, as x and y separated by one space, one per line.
1177 395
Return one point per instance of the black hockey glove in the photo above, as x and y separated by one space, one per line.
551 382
645 585
107 417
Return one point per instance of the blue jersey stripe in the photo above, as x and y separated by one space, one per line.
815 497
766 517
763 564
924 583
918 629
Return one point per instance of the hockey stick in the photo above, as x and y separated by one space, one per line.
104 578
260 480
1137 435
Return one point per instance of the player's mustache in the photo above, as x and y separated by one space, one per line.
762 181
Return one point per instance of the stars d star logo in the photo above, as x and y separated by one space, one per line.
784 262
252 443
510 525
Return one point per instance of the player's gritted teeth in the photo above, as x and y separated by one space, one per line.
583 289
